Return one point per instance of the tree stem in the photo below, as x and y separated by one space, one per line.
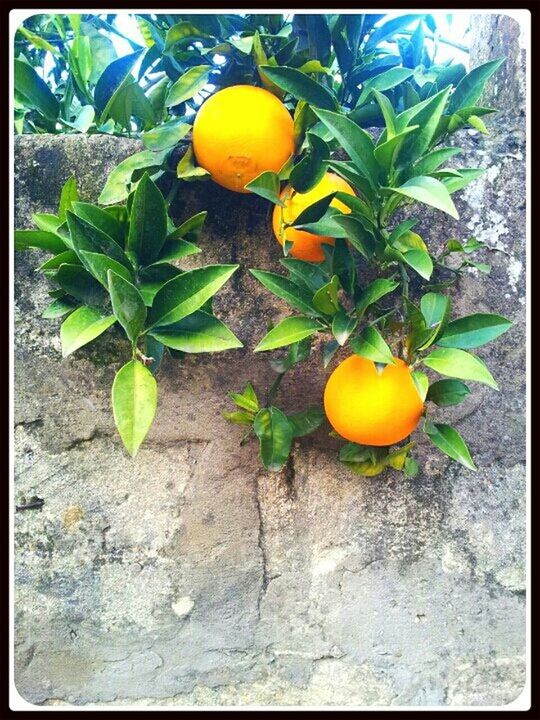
274 388
404 280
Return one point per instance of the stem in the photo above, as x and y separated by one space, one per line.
404 280
405 296
274 388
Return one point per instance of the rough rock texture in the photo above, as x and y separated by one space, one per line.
187 575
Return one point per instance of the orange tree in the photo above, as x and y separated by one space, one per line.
378 399
117 267
69 77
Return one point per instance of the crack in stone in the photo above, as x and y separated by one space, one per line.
38 422
95 435
261 542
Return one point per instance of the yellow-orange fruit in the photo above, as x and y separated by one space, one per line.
372 408
240 132
306 245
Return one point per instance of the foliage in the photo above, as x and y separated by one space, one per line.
118 267
404 165
329 61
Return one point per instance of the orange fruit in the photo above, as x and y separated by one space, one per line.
307 246
372 408
240 132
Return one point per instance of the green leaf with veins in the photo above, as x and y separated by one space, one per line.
275 434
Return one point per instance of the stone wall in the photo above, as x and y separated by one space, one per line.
189 575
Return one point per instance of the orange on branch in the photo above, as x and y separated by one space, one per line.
306 245
370 407
240 132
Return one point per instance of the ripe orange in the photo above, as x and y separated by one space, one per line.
307 246
240 132
372 408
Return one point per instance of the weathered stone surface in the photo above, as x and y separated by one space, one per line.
188 575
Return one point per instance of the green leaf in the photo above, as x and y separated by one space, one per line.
182 32
410 467
371 345
356 142
357 234
99 265
343 326
299 85
58 308
112 78
153 349
435 308
188 85
387 111
54 263
78 283
419 261
34 90
86 236
134 401
39 239
165 136
238 417
187 292
275 435
473 331
267 186
386 153
428 120
152 279
447 439
434 159
68 196
314 212
373 292
477 124
447 392
37 41
471 87
384 81
127 305
459 364
148 221
197 333
101 219
288 331
246 399
430 191
329 350
325 299
305 422
81 327
190 229
175 250
388 29
421 382
466 176
343 265
311 169
187 170
311 275
289 291
116 189
47 222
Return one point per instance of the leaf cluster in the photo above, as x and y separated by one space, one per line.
119 266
